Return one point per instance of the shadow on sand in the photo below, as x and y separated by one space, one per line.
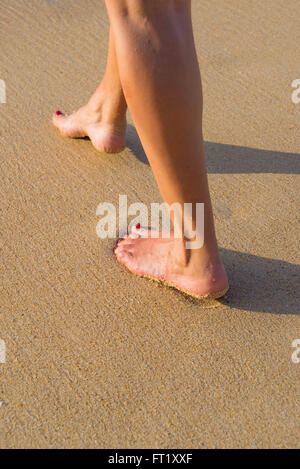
261 284
257 283
230 159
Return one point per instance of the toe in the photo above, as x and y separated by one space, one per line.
134 236
125 241
57 117
123 254
136 228
123 245
58 114
139 232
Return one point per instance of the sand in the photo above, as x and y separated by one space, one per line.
96 357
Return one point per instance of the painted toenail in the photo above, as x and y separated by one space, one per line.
58 113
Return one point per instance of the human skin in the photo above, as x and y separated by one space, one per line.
103 118
159 76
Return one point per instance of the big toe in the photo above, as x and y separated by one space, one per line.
57 117
58 114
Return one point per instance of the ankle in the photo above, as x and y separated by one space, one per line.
108 103
207 255
203 266
206 261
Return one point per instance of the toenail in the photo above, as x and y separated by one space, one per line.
58 113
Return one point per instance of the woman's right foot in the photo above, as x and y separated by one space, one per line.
160 256
199 274
103 123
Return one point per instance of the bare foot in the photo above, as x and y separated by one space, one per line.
105 127
166 260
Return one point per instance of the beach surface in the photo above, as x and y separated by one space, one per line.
96 357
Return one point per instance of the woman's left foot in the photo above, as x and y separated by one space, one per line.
102 119
166 260
104 136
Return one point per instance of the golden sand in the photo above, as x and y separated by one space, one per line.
96 357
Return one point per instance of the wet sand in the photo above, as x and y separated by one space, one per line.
94 356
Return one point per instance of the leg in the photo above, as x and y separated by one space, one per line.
103 119
161 81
